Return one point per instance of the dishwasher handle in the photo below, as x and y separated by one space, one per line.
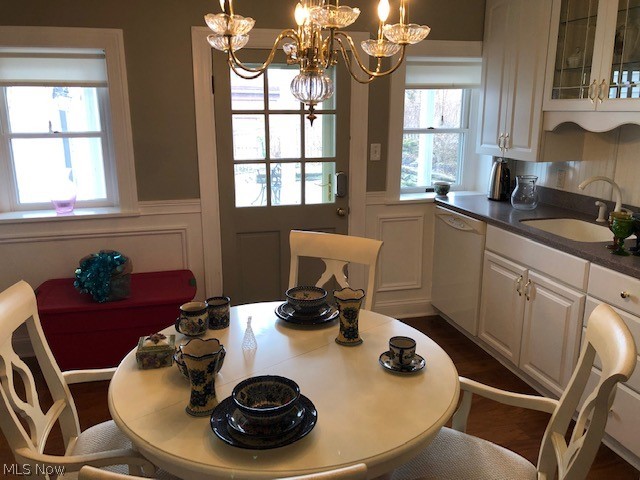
456 223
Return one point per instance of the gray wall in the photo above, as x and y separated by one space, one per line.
157 35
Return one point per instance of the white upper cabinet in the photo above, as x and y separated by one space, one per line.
513 74
593 63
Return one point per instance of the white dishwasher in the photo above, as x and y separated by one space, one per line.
457 267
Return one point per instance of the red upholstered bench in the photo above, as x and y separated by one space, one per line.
83 333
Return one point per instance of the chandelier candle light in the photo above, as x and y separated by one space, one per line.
316 42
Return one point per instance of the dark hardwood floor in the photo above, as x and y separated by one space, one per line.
514 428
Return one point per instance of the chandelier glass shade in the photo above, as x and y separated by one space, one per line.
316 44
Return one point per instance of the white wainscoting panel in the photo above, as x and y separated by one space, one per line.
401 262
404 269
165 236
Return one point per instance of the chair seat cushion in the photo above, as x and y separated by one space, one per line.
101 438
455 455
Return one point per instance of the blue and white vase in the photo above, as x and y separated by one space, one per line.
203 359
349 303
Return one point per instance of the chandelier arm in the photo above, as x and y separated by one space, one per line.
328 47
289 33
372 74
241 73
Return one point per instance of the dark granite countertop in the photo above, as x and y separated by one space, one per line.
503 215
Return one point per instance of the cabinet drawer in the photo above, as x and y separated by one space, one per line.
566 268
608 286
623 423
634 326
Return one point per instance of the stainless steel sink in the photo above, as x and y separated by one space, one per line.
572 229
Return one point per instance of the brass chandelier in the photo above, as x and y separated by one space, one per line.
315 44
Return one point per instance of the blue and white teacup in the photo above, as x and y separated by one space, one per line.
193 320
219 312
402 350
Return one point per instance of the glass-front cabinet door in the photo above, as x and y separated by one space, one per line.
596 62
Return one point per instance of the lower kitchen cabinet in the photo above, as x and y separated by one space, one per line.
623 294
502 305
532 320
551 331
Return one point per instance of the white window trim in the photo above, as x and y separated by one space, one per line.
428 48
112 42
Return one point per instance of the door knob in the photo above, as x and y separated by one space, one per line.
341 212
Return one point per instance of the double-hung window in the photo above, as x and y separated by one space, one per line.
56 123
435 134
436 125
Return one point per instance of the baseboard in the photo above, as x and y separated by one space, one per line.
405 308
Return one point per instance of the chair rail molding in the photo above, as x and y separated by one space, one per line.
164 236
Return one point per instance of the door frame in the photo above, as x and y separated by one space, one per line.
208 161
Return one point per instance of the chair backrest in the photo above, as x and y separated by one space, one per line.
18 307
353 472
608 337
336 251
92 473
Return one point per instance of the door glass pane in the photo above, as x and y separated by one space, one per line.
268 138
576 35
318 182
286 187
250 184
284 136
279 79
320 138
625 69
38 161
437 108
427 158
246 94
249 137
53 109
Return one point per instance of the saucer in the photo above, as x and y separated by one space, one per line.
241 424
325 313
223 430
416 364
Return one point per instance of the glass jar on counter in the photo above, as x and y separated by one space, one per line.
525 195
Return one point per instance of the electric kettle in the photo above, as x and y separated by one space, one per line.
500 180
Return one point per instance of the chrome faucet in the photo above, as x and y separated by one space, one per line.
616 190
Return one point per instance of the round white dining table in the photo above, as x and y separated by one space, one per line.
366 413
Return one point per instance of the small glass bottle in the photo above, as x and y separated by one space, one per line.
525 195
63 191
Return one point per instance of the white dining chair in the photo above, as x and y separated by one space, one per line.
91 473
454 454
25 424
353 472
336 251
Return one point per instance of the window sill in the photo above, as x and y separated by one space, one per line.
38 216
429 197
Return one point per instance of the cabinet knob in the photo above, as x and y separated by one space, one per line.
624 294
